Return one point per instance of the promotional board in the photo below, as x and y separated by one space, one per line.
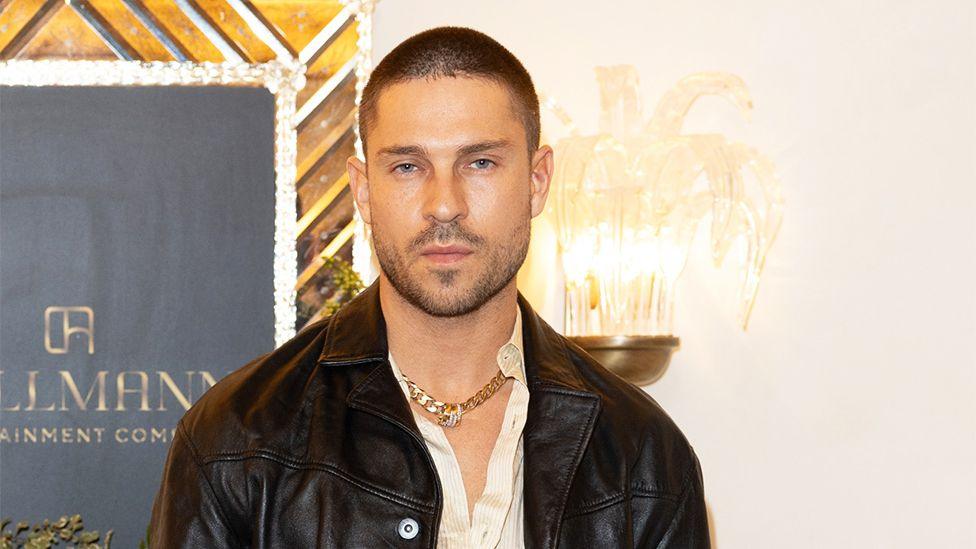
136 269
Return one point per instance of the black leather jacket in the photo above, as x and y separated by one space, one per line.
314 445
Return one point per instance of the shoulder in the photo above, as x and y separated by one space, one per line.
256 406
634 425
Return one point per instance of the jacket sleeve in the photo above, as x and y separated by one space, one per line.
689 526
186 512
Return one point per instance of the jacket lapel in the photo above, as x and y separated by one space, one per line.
561 416
357 337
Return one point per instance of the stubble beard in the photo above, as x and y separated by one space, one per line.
448 300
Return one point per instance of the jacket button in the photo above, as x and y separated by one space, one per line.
408 528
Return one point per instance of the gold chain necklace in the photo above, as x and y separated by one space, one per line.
449 414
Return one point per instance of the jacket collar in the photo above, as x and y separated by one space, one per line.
561 416
357 334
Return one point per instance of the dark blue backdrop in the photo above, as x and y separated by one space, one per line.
145 216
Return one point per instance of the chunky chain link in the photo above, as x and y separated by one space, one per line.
449 413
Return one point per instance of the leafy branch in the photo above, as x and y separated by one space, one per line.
47 534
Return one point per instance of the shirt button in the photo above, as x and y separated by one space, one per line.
408 528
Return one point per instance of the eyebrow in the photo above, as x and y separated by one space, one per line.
483 146
473 148
398 150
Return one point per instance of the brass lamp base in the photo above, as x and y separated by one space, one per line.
641 360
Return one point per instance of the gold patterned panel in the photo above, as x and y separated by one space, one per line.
15 16
64 35
236 29
123 23
323 35
178 25
297 22
314 240
319 129
19 20
329 166
322 67
331 188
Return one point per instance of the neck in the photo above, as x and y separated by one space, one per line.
449 357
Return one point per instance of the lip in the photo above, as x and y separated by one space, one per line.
446 254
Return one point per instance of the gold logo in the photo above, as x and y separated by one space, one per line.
67 314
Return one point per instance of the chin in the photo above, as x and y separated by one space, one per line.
456 300
445 291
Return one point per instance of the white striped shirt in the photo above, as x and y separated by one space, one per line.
496 521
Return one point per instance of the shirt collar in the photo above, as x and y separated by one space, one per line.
510 356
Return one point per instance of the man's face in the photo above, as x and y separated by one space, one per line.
450 191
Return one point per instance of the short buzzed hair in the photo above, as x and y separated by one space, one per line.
452 52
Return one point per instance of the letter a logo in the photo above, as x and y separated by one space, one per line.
73 320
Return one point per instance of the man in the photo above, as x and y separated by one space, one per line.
436 409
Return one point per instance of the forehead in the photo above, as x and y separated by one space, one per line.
444 113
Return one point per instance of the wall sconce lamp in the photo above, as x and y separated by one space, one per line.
628 202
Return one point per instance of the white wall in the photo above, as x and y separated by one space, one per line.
846 415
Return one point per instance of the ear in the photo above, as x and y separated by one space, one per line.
359 185
541 177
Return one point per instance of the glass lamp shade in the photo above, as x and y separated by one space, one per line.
628 203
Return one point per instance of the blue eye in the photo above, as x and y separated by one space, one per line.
482 163
398 166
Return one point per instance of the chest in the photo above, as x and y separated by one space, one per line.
471 443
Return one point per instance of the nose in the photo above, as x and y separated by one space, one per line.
444 199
